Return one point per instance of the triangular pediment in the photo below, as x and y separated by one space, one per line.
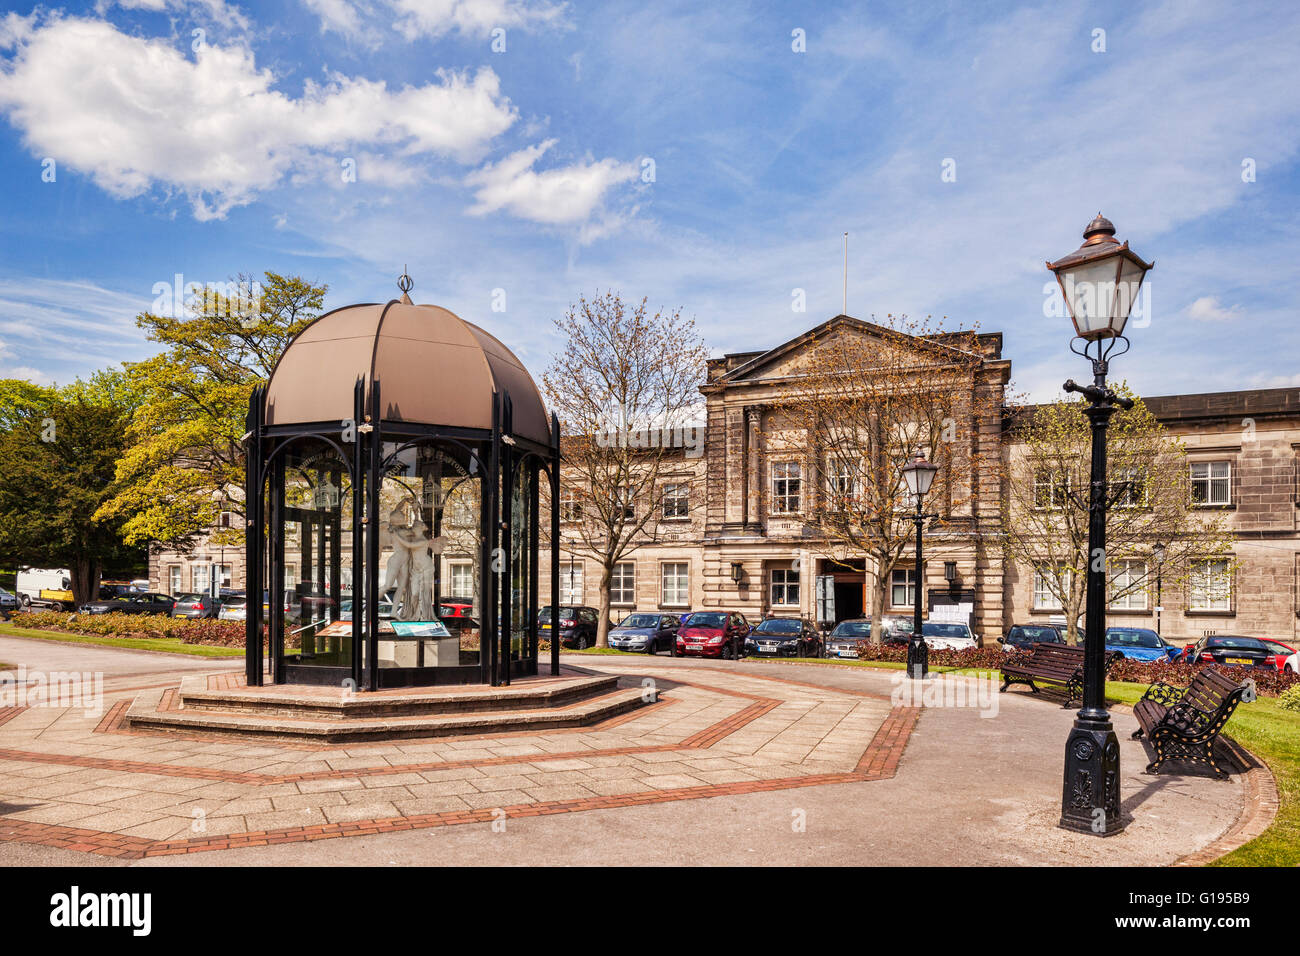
790 359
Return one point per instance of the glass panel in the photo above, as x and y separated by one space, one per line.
429 557
316 525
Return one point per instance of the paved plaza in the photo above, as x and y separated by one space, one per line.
734 762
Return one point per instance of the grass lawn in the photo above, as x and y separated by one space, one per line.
164 644
1273 735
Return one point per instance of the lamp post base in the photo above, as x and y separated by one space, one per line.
918 659
1090 796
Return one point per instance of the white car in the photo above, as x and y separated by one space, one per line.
948 637
1292 664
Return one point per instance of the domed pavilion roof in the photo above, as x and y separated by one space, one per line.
434 368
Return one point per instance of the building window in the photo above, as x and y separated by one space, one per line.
787 487
1128 576
1131 488
675 590
902 588
1047 584
226 519
785 587
199 578
290 577
570 508
462 580
571 583
1211 482
841 481
1210 587
624 503
225 575
677 502
622 583
1051 489
174 584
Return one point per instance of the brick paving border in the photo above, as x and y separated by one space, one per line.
1260 808
878 762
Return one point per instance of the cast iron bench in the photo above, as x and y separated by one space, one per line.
1053 663
1183 724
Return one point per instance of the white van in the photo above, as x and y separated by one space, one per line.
46 587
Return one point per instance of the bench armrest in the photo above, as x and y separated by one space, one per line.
1165 694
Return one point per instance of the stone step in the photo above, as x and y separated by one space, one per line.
145 715
284 702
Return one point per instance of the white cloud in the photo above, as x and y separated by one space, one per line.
217 10
135 113
1208 307
33 375
435 18
560 196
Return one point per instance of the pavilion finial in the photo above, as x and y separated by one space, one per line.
406 284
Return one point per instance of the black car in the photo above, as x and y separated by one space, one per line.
645 631
1231 650
577 625
1024 636
785 637
147 603
843 641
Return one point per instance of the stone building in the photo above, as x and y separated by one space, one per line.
723 544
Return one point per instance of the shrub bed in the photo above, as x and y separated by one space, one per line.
188 631
1268 682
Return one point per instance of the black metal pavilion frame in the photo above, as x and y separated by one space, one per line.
500 455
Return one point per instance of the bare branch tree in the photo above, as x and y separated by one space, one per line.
626 389
1149 485
865 401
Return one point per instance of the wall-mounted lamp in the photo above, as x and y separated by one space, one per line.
737 571
950 571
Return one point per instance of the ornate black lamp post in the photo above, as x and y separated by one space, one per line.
919 475
1100 281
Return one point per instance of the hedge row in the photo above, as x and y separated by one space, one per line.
1268 682
137 626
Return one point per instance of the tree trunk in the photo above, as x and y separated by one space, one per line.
85 580
876 595
602 624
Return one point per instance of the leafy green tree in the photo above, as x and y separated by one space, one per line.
185 461
58 465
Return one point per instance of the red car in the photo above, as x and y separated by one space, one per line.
1278 652
712 634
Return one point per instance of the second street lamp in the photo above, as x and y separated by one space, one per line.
1100 281
919 475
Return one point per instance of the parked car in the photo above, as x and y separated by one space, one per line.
1231 650
1024 636
942 636
844 639
8 600
196 606
577 625
1279 651
1292 664
385 610
1138 644
785 637
713 634
896 629
112 589
149 602
645 631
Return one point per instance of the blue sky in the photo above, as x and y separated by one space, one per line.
528 170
